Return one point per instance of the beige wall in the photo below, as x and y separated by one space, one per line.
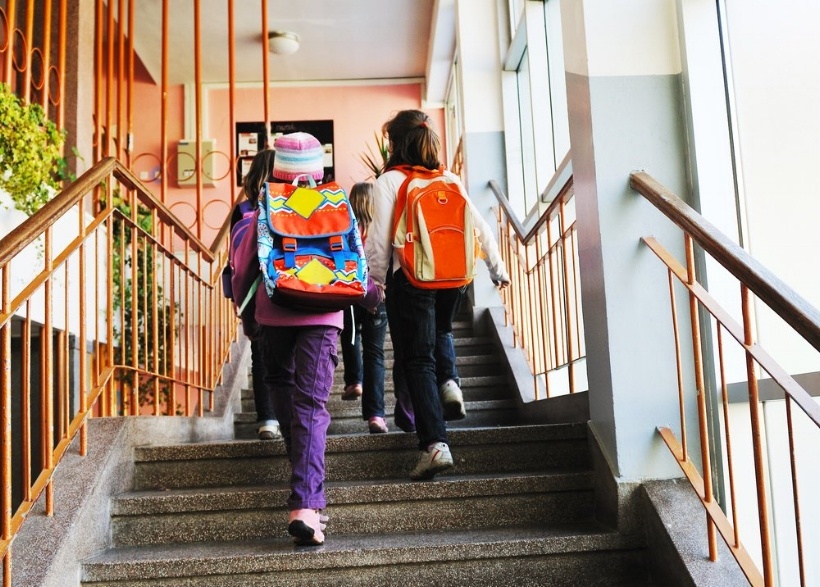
357 112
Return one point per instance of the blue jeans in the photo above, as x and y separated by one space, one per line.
262 397
363 356
447 302
299 366
418 316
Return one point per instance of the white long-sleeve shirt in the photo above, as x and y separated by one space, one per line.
379 245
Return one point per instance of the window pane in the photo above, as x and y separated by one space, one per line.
527 133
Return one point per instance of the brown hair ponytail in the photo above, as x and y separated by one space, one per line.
412 140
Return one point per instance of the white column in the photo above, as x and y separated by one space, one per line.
479 70
623 71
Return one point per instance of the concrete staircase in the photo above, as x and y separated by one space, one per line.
517 509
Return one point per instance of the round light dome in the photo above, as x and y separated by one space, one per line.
283 43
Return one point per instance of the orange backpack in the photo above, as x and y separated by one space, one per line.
433 231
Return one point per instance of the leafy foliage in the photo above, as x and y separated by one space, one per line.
30 160
375 161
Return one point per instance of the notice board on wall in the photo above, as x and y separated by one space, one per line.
250 137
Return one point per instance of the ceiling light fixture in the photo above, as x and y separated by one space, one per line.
283 42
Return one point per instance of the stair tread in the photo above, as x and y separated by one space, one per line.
272 496
347 550
362 442
353 409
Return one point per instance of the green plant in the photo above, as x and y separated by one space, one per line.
30 160
375 162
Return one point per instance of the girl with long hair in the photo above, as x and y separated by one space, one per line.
421 319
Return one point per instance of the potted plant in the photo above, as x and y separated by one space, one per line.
30 160
375 162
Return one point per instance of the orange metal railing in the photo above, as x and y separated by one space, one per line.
543 304
801 413
130 297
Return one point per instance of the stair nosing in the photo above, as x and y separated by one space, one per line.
340 493
230 449
351 551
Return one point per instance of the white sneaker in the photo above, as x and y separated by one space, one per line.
269 430
452 400
435 459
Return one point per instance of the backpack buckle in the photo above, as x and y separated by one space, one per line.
408 238
336 243
289 244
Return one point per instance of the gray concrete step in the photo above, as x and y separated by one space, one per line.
479 390
497 450
477 376
347 418
517 508
581 554
242 513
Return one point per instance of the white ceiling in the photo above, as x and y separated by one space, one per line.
340 40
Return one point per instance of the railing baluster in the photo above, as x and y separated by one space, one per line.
5 423
201 315
795 495
757 439
543 302
726 427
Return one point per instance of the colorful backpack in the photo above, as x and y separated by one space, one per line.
434 234
309 247
237 233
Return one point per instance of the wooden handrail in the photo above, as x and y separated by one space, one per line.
164 315
754 280
30 229
787 303
526 237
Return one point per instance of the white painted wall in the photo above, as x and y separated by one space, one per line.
775 62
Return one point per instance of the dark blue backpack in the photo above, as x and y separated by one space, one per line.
237 232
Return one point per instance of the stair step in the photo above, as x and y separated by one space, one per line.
475 393
467 382
389 456
478 501
347 419
478 387
579 554
471 366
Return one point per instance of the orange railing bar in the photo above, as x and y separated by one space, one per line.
755 280
543 304
199 373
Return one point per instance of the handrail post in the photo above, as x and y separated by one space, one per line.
757 440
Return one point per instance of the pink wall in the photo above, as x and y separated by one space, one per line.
357 112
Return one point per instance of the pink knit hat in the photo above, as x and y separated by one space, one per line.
298 153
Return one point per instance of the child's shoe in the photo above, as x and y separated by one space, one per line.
306 527
435 459
269 430
452 401
377 425
352 392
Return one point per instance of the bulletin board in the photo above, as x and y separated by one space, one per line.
250 138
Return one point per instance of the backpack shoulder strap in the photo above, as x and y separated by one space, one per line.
251 293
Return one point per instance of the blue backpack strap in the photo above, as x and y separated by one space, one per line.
289 247
264 242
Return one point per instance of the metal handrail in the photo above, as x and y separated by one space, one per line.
754 279
543 304
137 288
